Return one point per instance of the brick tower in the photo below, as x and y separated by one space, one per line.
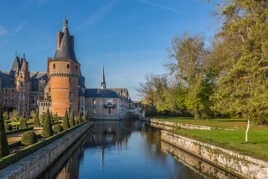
64 74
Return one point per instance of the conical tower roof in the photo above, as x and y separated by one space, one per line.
103 82
66 49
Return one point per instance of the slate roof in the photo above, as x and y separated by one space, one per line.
101 93
38 79
7 81
66 49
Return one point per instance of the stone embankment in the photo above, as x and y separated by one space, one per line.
238 164
167 125
33 165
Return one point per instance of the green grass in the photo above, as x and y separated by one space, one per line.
234 140
218 123
13 157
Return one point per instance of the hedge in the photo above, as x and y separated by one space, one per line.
14 157
19 130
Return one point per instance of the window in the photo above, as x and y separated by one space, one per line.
76 67
109 111
68 66
54 66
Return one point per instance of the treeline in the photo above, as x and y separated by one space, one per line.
227 78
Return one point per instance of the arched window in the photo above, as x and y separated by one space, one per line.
68 66
54 66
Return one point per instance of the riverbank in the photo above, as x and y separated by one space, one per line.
212 138
231 136
33 165
241 165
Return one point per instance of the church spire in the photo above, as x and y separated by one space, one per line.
103 83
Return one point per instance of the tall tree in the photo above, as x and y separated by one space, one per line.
191 69
72 122
243 84
47 127
3 138
66 123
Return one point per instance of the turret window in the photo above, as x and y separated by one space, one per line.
54 66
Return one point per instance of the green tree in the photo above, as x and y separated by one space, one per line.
6 118
66 123
85 115
3 138
23 122
72 122
35 117
192 70
14 115
47 127
243 84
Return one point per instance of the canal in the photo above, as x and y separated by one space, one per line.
127 149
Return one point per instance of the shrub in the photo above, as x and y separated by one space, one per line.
72 122
66 124
47 126
3 138
57 128
28 138
23 123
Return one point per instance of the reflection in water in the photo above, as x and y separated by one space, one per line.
120 149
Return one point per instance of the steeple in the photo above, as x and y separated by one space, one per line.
65 48
103 83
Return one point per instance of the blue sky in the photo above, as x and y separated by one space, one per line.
129 37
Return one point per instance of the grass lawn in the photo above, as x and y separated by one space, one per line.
230 139
219 123
234 140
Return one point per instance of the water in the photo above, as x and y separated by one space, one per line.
121 150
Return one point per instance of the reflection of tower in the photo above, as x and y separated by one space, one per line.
103 82
102 158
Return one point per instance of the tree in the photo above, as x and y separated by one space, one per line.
35 117
66 124
14 115
192 70
6 117
72 122
47 128
85 116
23 122
3 138
243 84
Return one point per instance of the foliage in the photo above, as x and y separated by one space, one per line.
72 122
14 115
85 117
47 127
3 138
23 123
14 157
66 123
57 128
35 117
29 138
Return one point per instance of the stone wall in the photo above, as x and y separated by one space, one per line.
228 160
167 125
33 165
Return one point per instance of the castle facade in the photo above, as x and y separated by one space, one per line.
62 88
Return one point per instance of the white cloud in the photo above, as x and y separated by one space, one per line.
98 15
160 6
3 31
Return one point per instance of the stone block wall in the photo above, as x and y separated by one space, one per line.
33 165
228 160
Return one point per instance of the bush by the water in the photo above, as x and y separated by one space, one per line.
28 138
57 128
